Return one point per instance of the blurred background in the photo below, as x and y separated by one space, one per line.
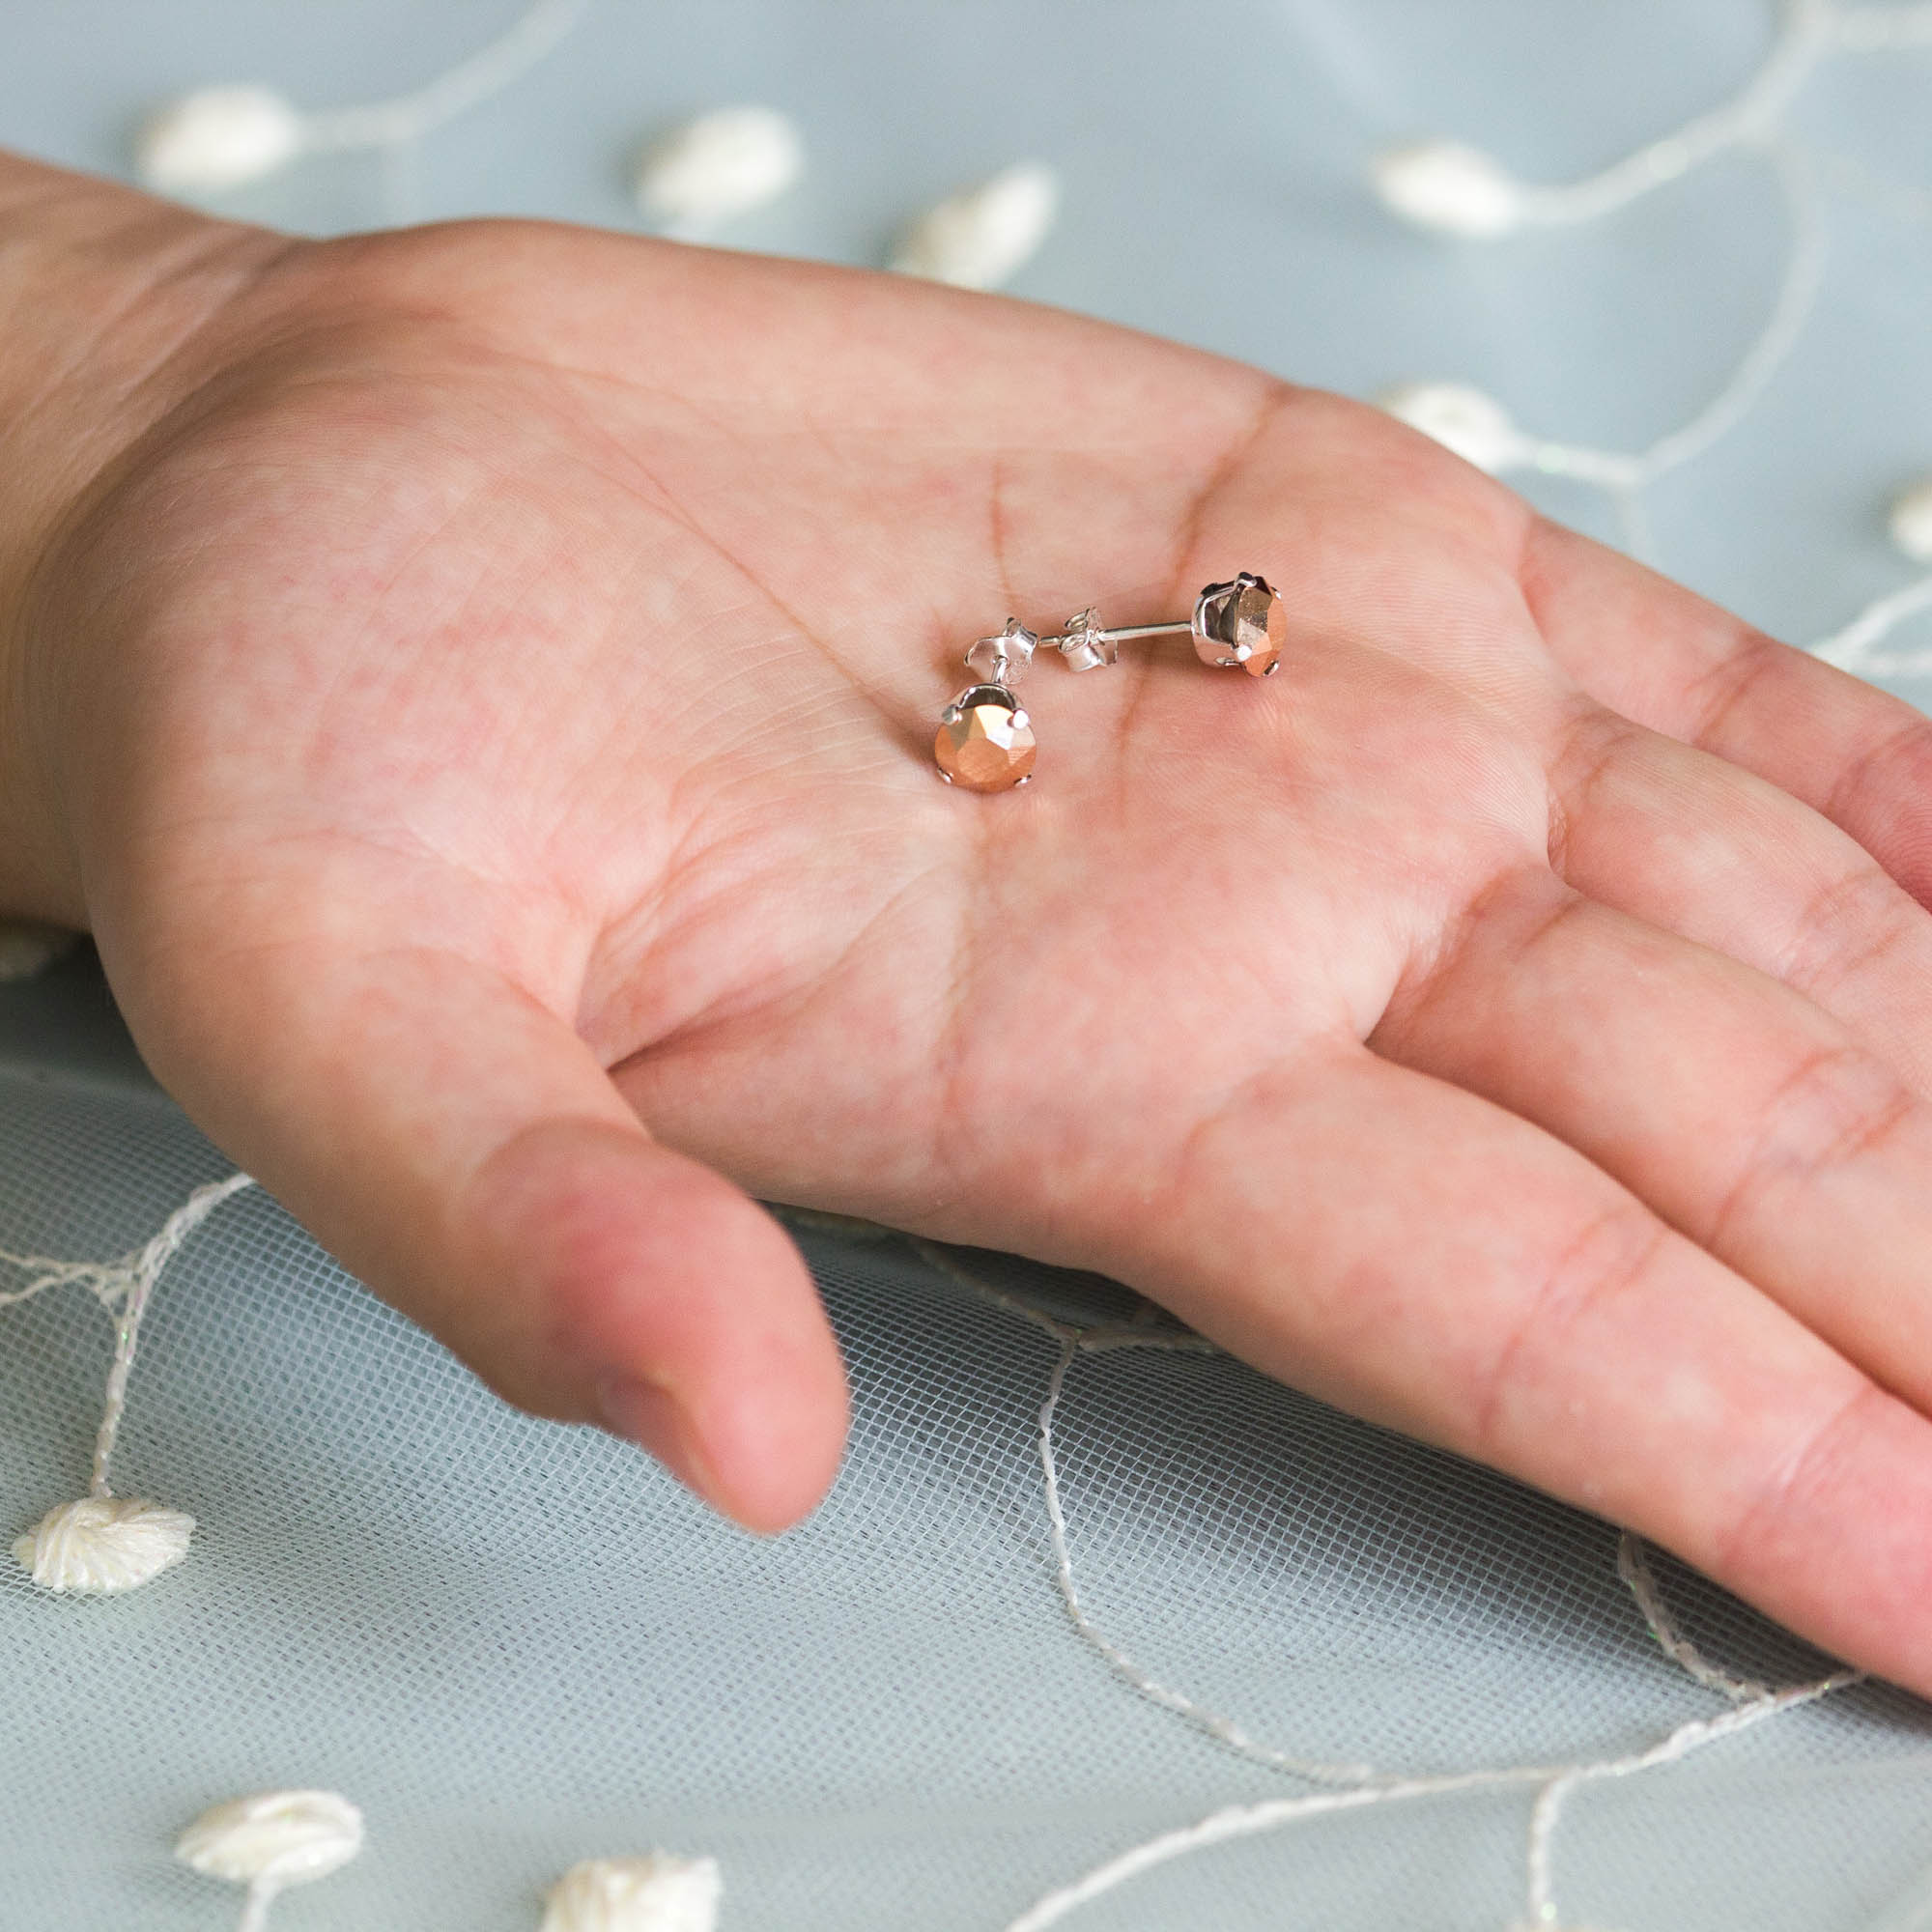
1214 160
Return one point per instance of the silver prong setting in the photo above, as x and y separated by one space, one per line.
1241 625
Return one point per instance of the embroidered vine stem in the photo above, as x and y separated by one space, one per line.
1362 1785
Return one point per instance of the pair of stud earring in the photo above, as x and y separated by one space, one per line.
985 741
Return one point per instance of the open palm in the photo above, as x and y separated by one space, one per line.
496 709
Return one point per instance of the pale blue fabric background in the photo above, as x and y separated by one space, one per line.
1214 152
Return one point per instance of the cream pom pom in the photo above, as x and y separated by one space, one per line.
217 138
659 1893
980 237
720 165
1910 521
1444 186
274 1838
103 1544
1461 418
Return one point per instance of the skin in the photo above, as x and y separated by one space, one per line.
477 685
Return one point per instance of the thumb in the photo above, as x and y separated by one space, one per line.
455 1144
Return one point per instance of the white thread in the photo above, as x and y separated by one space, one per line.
983 236
141 1272
722 165
659 1893
1803 41
27 947
113 1549
217 138
1241 1821
272 1841
1540 1906
1101 1338
1224 1731
484 75
1460 190
1751 1703
1797 297
261 1894
1457 190
1851 649
1234 1821
1633 1567
1679 1744
279 1838
1479 429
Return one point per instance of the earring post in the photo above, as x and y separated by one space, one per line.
1132 630
1128 634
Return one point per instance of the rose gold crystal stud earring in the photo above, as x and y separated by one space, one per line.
985 741
1239 625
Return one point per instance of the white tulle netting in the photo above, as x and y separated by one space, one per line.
518 1645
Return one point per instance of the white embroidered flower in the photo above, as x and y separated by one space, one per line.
101 1545
274 1838
1474 425
1912 521
659 1893
217 138
721 165
1444 186
983 236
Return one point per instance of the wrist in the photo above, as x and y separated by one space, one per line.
106 298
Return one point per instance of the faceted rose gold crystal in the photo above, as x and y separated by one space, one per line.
1242 624
985 741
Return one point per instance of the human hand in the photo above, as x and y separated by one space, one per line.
488 707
